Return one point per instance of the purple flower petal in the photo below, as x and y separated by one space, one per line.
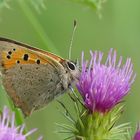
8 130
102 86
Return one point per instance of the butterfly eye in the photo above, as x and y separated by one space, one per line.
71 65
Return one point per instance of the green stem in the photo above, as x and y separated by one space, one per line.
37 26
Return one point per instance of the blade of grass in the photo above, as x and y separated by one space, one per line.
37 26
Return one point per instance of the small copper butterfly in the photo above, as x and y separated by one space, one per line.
33 77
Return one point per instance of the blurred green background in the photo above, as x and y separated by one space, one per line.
51 30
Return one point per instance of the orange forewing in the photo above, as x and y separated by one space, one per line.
57 58
17 55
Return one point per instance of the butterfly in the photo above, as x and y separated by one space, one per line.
33 77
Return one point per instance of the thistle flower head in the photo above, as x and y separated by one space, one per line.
8 130
103 85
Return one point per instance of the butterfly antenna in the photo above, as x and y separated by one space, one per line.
73 32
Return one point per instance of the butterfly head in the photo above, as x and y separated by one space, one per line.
73 70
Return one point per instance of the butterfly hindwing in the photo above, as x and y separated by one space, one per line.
32 87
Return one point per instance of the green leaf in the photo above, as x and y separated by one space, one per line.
94 126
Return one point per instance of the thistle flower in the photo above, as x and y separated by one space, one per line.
8 130
137 134
103 85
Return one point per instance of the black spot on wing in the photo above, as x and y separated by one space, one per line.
9 52
8 56
18 61
25 57
38 61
